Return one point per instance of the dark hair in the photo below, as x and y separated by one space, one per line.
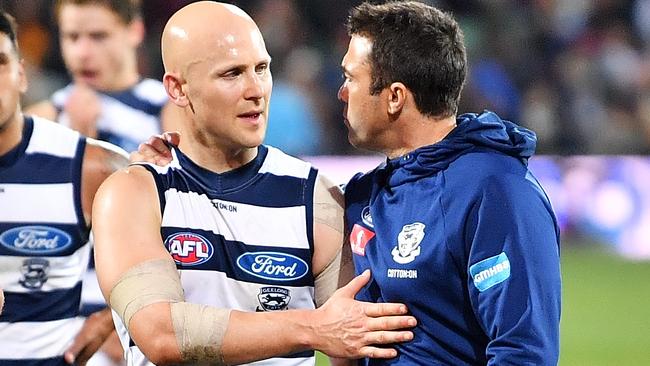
126 10
415 44
8 26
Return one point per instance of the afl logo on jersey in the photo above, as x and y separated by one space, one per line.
189 249
35 240
273 265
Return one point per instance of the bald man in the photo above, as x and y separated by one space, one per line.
197 258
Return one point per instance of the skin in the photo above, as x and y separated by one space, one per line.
217 73
100 53
100 160
388 122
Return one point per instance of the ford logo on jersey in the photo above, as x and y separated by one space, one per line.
189 249
35 240
273 265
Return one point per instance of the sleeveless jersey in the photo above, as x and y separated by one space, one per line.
44 246
242 239
128 117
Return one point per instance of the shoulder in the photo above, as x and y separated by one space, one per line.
103 158
54 139
44 109
278 162
130 185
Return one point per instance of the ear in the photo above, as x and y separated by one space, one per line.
22 77
397 93
136 31
174 86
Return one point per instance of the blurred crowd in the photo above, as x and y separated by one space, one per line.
575 71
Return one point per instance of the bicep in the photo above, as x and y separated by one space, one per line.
126 225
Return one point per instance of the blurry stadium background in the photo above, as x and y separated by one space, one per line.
575 71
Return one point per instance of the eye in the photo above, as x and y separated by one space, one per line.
262 68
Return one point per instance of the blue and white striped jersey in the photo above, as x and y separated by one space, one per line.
44 246
242 239
128 117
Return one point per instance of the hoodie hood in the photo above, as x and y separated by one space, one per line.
473 131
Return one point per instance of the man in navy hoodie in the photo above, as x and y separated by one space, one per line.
453 224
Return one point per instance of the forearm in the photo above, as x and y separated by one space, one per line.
255 336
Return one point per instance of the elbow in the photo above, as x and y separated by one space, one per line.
161 350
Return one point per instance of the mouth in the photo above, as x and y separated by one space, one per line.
252 117
87 74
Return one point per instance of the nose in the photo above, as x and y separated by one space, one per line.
82 47
343 93
255 86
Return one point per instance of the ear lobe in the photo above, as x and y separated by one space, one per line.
174 87
396 97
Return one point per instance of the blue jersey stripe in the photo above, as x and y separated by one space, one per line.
129 98
54 361
226 250
78 238
41 306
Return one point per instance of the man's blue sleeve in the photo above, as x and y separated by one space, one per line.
514 272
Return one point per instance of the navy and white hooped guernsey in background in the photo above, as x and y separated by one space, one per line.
44 246
128 117
242 239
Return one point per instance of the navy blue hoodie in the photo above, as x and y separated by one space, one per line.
462 233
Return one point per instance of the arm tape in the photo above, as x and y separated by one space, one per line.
327 281
200 330
144 284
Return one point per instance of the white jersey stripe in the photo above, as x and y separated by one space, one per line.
228 292
253 225
34 340
50 203
64 272
51 139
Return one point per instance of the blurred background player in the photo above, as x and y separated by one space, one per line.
107 99
48 178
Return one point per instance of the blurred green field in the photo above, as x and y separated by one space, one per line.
606 309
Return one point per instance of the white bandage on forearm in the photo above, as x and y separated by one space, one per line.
327 281
200 331
144 284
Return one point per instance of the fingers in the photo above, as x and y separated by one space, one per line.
157 142
376 352
172 137
355 285
69 356
391 323
384 309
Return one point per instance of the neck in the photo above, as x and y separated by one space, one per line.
216 157
11 132
421 132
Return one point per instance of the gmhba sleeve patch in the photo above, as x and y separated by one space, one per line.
490 271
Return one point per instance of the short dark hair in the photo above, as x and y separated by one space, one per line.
126 10
415 44
8 26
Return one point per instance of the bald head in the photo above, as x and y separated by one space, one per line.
201 26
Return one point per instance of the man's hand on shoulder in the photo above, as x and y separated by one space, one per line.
156 150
